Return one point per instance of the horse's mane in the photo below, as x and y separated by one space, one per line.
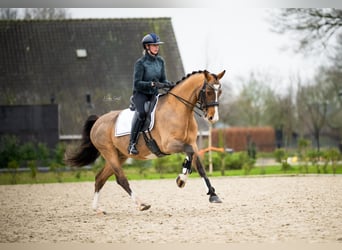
190 74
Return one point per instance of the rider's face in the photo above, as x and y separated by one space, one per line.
154 48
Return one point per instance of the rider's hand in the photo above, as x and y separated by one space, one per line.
158 85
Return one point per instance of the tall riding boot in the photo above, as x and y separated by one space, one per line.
136 126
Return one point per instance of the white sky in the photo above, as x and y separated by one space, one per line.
235 39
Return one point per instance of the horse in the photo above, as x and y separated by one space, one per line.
175 131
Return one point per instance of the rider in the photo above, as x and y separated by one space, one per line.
149 76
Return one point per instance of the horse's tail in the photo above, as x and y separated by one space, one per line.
87 153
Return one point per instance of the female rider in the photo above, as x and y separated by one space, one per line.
149 76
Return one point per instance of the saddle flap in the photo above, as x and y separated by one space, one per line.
124 122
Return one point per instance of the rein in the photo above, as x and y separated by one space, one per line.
201 100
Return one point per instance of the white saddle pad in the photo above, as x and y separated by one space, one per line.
124 122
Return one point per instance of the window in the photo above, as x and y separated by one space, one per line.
81 53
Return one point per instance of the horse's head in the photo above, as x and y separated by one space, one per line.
210 94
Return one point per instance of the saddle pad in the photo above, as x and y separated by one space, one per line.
124 122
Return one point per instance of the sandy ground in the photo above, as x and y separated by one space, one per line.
254 209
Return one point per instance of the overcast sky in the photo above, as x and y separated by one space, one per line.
238 40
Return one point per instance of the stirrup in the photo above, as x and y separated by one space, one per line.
132 150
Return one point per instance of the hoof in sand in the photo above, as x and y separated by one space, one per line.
181 180
144 207
215 199
100 212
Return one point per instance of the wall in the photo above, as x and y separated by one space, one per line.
35 123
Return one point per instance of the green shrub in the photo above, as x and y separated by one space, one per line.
59 152
13 165
32 164
314 157
9 150
280 155
236 160
332 156
43 153
169 164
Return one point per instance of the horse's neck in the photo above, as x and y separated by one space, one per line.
188 90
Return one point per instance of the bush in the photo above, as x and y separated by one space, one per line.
9 150
13 165
236 160
331 155
43 153
33 168
280 155
169 164
314 158
59 152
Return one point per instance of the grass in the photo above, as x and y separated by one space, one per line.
135 173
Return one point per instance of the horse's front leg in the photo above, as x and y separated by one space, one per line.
213 198
183 177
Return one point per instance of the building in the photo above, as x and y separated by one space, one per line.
85 66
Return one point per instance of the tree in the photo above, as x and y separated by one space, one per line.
312 105
34 13
280 113
314 27
8 13
332 78
46 13
247 109
257 104
317 30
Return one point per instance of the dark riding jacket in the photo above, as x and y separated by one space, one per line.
148 69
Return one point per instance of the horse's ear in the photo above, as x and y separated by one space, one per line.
219 76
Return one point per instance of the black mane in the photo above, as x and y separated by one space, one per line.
190 74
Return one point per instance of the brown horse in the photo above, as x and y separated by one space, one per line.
175 131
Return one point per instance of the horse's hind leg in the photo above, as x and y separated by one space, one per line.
100 180
113 166
123 182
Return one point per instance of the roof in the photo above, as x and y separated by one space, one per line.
63 61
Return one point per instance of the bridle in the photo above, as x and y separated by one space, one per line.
201 104
202 98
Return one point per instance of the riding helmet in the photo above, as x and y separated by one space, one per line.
151 38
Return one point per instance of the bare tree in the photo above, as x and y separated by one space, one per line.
34 13
46 13
248 108
9 13
314 27
313 106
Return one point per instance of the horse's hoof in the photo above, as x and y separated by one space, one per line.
214 199
181 180
100 212
144 207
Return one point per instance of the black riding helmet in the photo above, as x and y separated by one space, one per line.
151 38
